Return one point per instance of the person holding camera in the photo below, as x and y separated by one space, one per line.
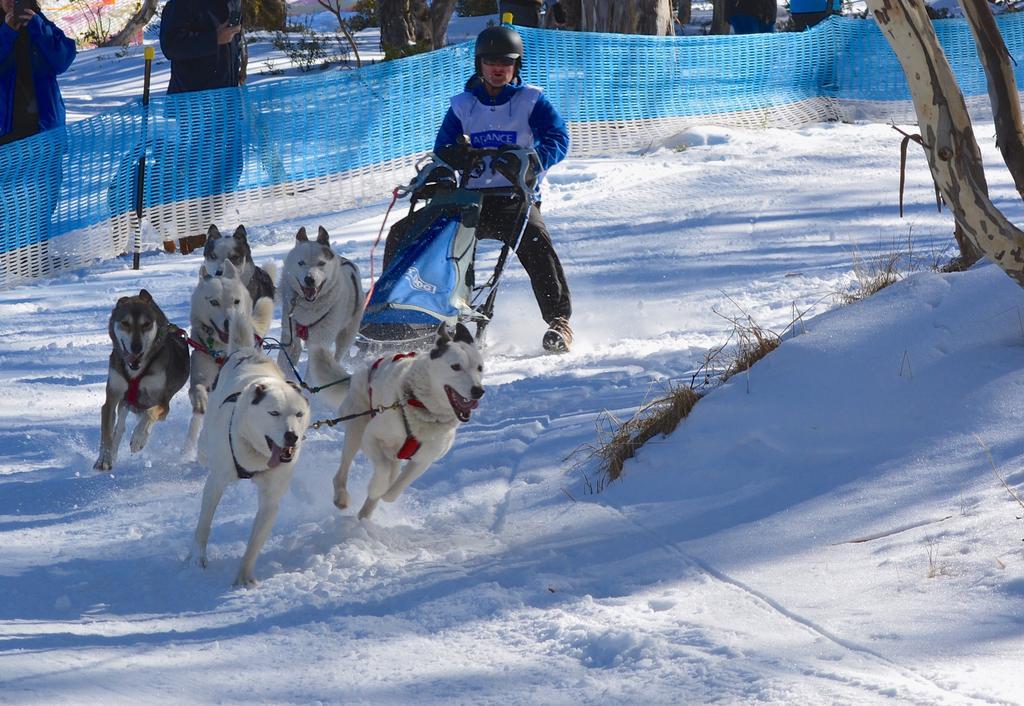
497 109
203 40
33 52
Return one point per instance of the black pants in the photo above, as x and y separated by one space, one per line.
499 220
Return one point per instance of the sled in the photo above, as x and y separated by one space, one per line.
430 280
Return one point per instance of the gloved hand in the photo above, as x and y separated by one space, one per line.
459 156
507 163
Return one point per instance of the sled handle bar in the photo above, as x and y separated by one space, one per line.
427 164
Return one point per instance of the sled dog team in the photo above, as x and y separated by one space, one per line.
248 414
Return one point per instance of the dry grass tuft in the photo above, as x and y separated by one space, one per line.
618 441
872 276
752 344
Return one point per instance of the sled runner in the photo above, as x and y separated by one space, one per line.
431 277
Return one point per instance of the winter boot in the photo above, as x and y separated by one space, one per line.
558 337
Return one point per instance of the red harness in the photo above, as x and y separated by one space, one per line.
412 444
131 395
302 331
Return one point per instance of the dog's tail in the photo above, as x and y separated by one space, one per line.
325 370
262 316
271 269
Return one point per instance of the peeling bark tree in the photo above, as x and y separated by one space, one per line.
653 17
134 25
410 26
953 154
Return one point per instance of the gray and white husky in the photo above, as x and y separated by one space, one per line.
422 399
321 299
148 365
219 249
216 301
253 429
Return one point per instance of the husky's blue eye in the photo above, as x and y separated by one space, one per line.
274 414
456 366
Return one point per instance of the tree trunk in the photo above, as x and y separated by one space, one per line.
1002 88
440 15
396 30
719 25
952 151
135 24
652 17
271 15
573 14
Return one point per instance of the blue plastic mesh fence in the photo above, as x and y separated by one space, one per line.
334 140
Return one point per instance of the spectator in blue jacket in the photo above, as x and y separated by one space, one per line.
807 13
498 109
33 52
751 16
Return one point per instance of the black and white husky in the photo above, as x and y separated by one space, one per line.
216 301
419 400
148 365
218 250
322 299
253 428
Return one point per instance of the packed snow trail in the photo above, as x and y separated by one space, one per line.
496 578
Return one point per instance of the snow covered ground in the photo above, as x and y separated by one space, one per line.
828 528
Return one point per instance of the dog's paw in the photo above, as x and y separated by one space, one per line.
341 499
104 462
367 510
197 557
139 438
245 579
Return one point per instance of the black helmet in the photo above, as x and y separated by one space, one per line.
499 41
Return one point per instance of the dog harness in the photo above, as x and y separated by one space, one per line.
411 444
242 472
302 330
131 395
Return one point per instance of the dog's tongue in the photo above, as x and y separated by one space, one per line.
463 407
279 454
309 293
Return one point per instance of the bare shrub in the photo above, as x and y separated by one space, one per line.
618 441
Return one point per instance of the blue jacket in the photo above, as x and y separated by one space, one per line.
52 54
551 136
800 6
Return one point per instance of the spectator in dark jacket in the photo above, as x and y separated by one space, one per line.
33 52
525 13
203 40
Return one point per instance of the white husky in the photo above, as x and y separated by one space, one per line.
321 299
253 429
418 401
214 301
